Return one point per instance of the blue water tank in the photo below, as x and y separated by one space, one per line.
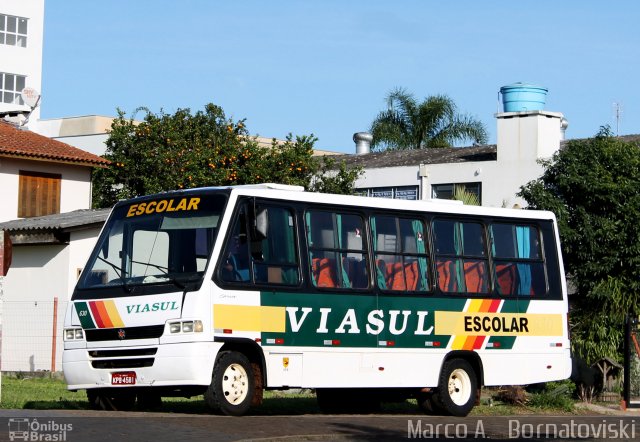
521 97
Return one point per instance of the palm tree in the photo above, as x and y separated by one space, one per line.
434 122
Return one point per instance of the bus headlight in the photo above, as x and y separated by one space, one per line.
186 327
73 334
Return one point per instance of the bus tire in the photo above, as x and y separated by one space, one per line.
232 384
457 388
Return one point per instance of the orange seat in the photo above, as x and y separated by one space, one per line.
506 279
324 272
447 280
475 276
412 274
395 276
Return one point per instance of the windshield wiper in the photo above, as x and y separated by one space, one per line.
118 272
165 271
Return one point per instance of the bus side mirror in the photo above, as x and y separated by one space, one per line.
6 252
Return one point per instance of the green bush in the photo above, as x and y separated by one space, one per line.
554 395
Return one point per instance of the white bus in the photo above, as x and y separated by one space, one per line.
229 291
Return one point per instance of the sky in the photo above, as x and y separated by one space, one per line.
324 67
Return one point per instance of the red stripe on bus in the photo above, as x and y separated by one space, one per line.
96 314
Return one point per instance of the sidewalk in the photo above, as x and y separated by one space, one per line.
613 409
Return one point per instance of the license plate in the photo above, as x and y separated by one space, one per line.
123 378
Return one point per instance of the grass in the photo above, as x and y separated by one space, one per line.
46 393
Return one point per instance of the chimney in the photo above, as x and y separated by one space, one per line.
363 142
563 128
527 132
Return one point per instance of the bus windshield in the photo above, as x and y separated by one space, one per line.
162 241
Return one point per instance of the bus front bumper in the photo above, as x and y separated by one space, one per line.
171 365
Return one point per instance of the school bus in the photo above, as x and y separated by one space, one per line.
228 291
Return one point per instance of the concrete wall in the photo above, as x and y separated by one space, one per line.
75 187
24 61
39 274
27 307
88 133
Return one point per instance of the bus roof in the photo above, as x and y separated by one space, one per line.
297 193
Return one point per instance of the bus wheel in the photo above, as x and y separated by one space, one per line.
232 384
457 388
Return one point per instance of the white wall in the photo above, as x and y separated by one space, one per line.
88 132
94 144
24 61
75 187
38 274
27 307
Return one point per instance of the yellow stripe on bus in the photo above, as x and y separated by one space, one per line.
496 324
112 311
475 305
250 318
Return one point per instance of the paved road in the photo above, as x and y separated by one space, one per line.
84 425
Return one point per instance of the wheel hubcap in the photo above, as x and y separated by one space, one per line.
459 387
235 384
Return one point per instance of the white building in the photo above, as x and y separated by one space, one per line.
47 185
21 37
493 172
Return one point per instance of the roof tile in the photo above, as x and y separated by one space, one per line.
23 143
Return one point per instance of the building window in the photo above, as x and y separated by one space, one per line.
397 192
13 30
38 194
447 191
10 87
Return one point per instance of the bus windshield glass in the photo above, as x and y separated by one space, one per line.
161 241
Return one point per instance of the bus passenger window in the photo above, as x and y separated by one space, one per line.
337 253
401 258
519 268
279 265
461 256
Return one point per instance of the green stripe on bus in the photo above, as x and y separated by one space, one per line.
507 342
85 315
351 320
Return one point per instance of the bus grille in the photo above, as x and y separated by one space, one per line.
122 358
122 352
123 363
114 334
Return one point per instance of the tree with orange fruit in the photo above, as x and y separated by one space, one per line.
184 150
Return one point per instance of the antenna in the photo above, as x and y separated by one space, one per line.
31 98
617 111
